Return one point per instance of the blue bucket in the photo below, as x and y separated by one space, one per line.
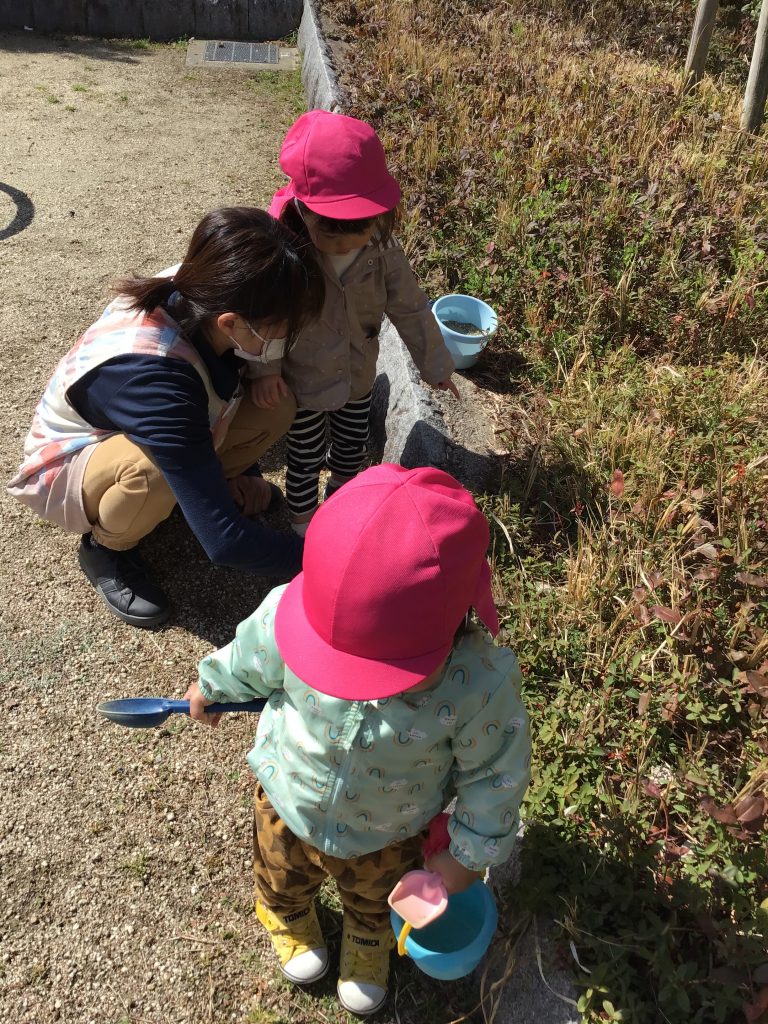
464 309
454 944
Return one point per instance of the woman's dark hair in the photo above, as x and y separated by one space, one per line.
385 223
240 260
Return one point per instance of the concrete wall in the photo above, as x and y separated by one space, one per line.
156 19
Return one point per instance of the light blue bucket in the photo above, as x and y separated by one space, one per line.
453 944
465 348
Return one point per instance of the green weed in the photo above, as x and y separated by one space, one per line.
551 166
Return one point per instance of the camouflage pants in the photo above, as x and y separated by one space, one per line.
288 872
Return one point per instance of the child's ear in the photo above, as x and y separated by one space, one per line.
226 322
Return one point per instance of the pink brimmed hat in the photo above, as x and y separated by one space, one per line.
337 167
392 564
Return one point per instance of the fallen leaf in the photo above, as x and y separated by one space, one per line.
616 486
707 551
643 702
749 579
751 810
725 815
670 615
758 683
707 572
674 852
651 789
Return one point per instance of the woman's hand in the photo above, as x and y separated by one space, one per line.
197 705
252 494
456 877
447 385
269 391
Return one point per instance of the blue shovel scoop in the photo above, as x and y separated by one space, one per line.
148 712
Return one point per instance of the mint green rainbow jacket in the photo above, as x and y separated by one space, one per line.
351 777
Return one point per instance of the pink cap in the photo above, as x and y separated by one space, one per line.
392 563
337 167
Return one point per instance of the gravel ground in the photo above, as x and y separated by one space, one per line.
125 855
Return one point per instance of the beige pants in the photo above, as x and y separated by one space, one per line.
126 496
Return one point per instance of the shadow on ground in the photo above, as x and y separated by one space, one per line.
633 919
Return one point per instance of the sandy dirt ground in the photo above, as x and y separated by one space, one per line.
125 856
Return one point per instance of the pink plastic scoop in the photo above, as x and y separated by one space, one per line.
419 898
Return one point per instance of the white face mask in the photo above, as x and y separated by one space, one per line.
273 348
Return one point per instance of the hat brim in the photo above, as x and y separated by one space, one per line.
355 207
337 673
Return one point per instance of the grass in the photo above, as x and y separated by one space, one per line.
552 166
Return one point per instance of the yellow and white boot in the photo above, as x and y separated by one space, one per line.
298 942
364 969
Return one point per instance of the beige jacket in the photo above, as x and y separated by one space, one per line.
334 359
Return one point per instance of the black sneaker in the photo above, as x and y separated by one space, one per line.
120 580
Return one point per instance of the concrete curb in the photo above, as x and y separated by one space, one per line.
407 423
321 86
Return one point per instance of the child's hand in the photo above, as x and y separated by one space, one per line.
267 392
456 877
197 706
447 385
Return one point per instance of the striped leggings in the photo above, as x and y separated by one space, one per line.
307 453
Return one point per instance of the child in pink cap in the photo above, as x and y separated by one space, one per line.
342 199
384 703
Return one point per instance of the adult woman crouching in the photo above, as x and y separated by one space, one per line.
149 409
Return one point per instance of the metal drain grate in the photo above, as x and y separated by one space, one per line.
242 53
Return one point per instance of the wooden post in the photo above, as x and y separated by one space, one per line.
701 37
757 83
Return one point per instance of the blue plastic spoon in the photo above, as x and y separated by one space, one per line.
148 712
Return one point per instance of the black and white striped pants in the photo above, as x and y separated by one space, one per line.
307 453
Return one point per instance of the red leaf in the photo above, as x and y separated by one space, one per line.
674 852
751 810
670 615
490 247
749 579
651 789
616 486
655 579
758 683
725 815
